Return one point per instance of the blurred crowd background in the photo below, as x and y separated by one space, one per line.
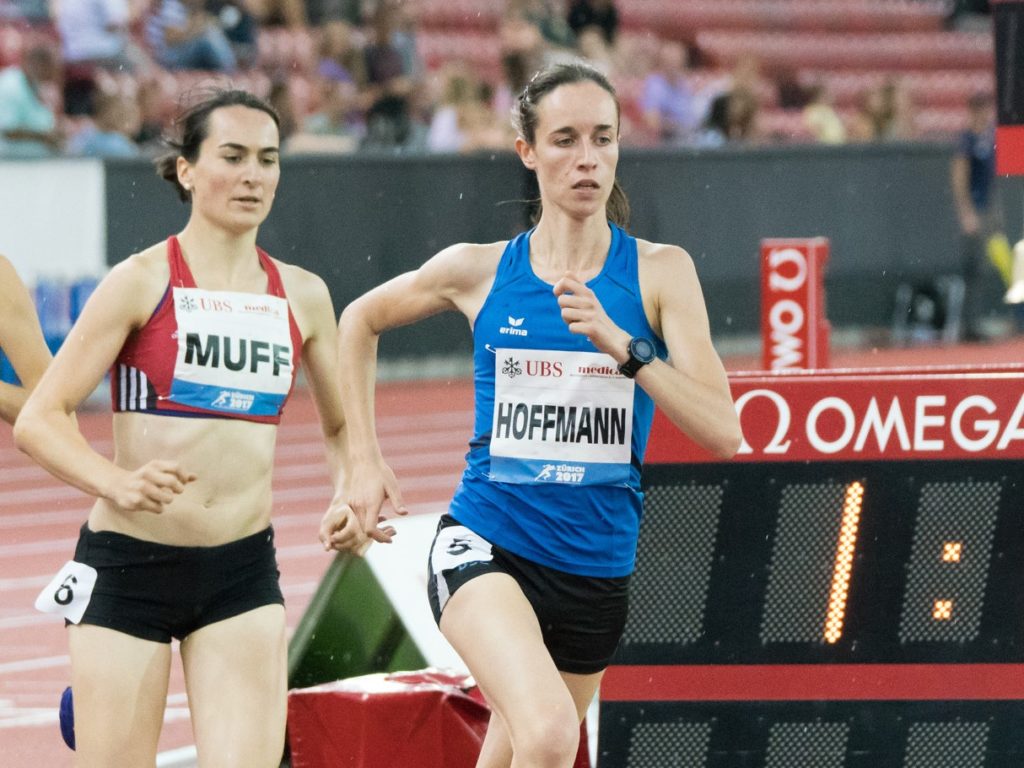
103 78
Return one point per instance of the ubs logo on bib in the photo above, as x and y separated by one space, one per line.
512 368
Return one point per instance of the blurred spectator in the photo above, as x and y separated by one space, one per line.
341 57
114 122
667 101
520 38
28 126
744 81
731 119
97 33
533 25
290 13
746 75
595 13
901 110
29 10
869 121
969 15
389 119
972 176
322 11
884 113
637 55
403 37
183 35
595 50
153 116
280 98
516 73
240 28
552 24
789 92
821 119
445 133
337 126
481 126
463 120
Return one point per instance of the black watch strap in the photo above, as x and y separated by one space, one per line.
641 352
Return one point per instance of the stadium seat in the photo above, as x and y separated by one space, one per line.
939 88
460 15
683 20
482 51
893 51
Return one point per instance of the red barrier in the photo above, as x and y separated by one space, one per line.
794 331
426 719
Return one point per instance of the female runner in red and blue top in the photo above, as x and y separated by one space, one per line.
203 334
579 331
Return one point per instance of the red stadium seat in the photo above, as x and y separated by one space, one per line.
459 15
482 51
939 88
683 20
894 51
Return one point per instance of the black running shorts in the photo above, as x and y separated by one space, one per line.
582 618
158 591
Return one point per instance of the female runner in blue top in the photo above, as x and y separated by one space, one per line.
21 340
579 330
202 334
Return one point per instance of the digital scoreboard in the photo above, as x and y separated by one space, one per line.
848 592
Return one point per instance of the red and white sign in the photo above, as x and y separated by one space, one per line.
794 331
894 414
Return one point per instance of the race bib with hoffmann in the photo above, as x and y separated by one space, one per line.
560 417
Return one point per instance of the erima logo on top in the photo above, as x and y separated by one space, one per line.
514 327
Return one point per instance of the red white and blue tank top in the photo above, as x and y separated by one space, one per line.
220 354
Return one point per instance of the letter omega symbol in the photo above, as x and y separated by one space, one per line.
777 443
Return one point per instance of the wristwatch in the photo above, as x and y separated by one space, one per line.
641 352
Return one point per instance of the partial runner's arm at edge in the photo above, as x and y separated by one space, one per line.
21 340
46 429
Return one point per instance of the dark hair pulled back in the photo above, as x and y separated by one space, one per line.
525 118
193 126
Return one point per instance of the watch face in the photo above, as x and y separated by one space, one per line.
642 349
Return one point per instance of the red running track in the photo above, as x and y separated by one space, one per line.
424 431
424 426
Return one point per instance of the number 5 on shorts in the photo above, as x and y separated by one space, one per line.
68 592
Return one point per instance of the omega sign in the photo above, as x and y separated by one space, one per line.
794 332
898 414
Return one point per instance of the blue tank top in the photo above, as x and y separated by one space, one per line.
553 470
